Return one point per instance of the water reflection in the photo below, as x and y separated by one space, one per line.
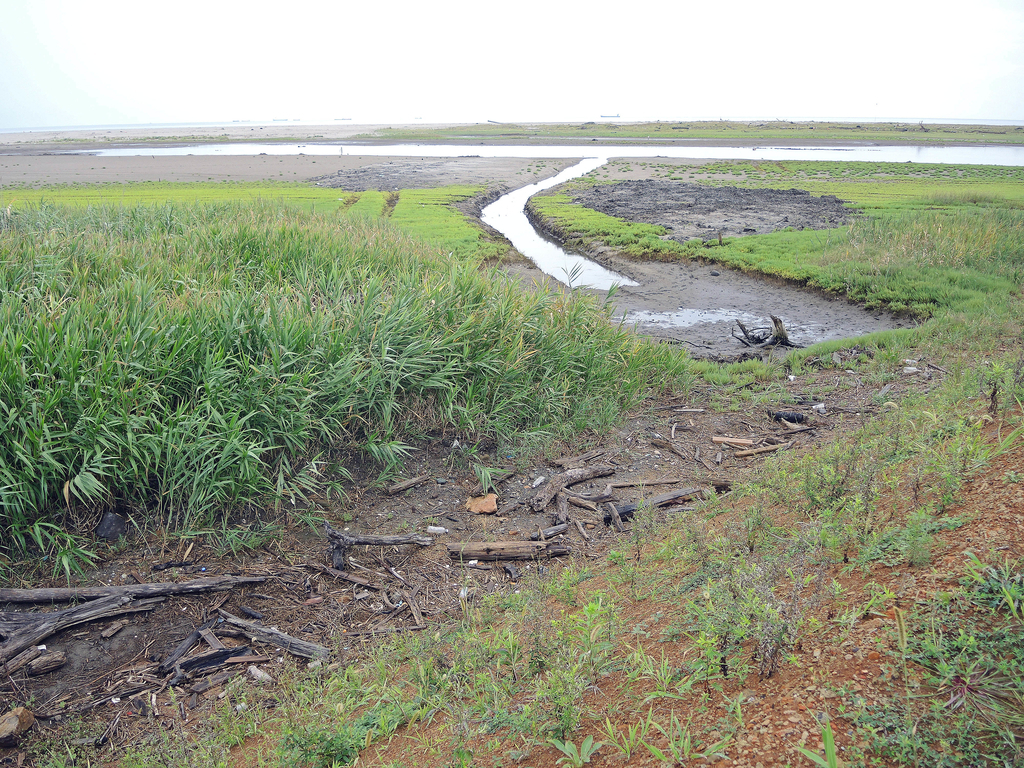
506 215
987 155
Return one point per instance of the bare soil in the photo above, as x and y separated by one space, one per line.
111 682
695 211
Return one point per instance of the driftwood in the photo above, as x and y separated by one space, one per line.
626 511
505 550
64 595
275 637
551 489
776 336
340 542
33 631
185 646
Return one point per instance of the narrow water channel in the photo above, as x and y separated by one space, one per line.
507 215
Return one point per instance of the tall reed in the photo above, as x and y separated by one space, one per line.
177 360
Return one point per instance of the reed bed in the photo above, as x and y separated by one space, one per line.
177 361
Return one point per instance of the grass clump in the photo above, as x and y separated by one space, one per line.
177 361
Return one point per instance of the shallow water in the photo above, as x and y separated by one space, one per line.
506 215
988 155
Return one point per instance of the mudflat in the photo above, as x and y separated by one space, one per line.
694 303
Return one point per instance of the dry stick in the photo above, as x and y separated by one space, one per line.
548 533
406 484
570 477
616 518
659 443
588 456
765 449
381 631
581 529
637 483
275 637
732 441
576 501
627 510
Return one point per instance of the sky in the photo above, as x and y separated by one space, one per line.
72 63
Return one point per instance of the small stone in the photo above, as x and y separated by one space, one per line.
112 526
259 675
483 505
14 724
715 273
874 656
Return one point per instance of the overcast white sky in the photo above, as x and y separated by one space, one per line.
68 62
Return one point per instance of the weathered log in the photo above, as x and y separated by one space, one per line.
340 542
570 477
46 663
46 624
505 550
626 511
67 594
561 508
275 637
762 337
21 660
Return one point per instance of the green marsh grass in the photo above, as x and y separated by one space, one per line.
946 249
178 360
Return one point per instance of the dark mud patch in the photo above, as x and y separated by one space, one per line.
393 173
696 211
697 303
